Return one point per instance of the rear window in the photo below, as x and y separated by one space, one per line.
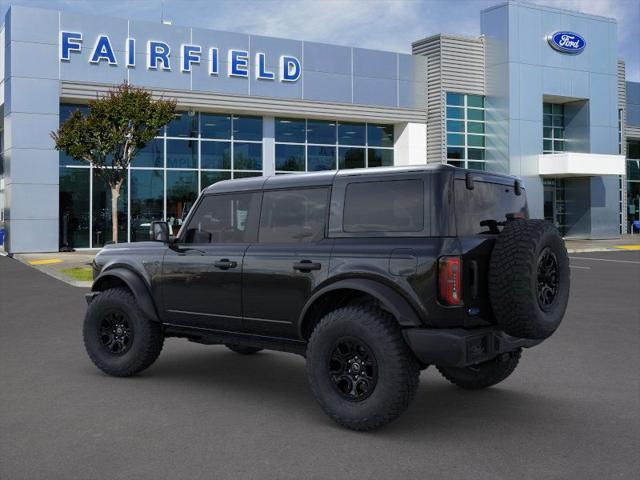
392 206
487 202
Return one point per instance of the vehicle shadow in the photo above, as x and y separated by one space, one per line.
279 382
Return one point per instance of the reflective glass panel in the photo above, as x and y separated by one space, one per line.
209 178
475 140
182 154
455 98
215 155
321 158
475 127
290 158
184 124
247 156
473 114
182 191
475 101
247 128
74 207
475 153
215 126
351 157
151 155
455 152
455 139
147 193
290 130
454 112
455 126
378 157
379 135
351 133
102 230
320 131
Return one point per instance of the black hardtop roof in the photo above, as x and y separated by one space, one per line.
314 179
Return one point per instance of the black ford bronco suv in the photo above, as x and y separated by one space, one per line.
372 275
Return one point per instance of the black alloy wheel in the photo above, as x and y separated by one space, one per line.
116 333
547 278
353 369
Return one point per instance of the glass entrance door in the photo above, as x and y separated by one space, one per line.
555 203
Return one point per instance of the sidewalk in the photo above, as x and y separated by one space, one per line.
626 242
73 268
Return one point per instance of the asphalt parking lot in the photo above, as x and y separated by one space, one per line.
571 410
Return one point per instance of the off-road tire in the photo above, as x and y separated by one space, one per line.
147 338
397 369
484 374
243 350
515 279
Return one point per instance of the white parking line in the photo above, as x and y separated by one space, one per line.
604 260
582 268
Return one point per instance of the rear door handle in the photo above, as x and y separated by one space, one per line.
306 266
225 264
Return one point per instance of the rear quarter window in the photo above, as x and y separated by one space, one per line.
387 206
486 202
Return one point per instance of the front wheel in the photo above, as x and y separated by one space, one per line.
120 340
360 369
485 374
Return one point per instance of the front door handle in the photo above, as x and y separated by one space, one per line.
225 264
306 266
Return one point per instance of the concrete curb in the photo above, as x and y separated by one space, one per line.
591 250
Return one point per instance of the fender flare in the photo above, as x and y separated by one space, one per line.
399 306
137 286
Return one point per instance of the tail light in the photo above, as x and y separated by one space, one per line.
450 280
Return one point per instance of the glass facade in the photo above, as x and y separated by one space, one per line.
192 152
465 129
633 182
552 128
305 145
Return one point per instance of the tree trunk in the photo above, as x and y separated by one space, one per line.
115 194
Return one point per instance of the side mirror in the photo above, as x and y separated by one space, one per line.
159 232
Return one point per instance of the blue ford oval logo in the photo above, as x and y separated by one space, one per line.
567 42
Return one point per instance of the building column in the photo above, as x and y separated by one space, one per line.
268 146
31 113
410 146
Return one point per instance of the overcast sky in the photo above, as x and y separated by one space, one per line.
379 24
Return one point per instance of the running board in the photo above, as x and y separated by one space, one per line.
215 337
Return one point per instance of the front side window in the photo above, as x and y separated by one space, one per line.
293 216
393 206
227 218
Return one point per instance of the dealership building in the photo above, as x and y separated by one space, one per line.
540 94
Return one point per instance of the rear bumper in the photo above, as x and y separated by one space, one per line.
459 347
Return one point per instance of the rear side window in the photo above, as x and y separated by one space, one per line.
392 206
486 204
293 216
228 218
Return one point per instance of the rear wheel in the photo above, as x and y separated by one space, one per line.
242 349
360 369
120 340
483 375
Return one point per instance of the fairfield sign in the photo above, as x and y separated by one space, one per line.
159 56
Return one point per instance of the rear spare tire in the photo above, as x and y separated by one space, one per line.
529 279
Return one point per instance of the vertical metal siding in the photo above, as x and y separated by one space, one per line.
454 64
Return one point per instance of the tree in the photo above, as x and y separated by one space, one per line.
117 126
